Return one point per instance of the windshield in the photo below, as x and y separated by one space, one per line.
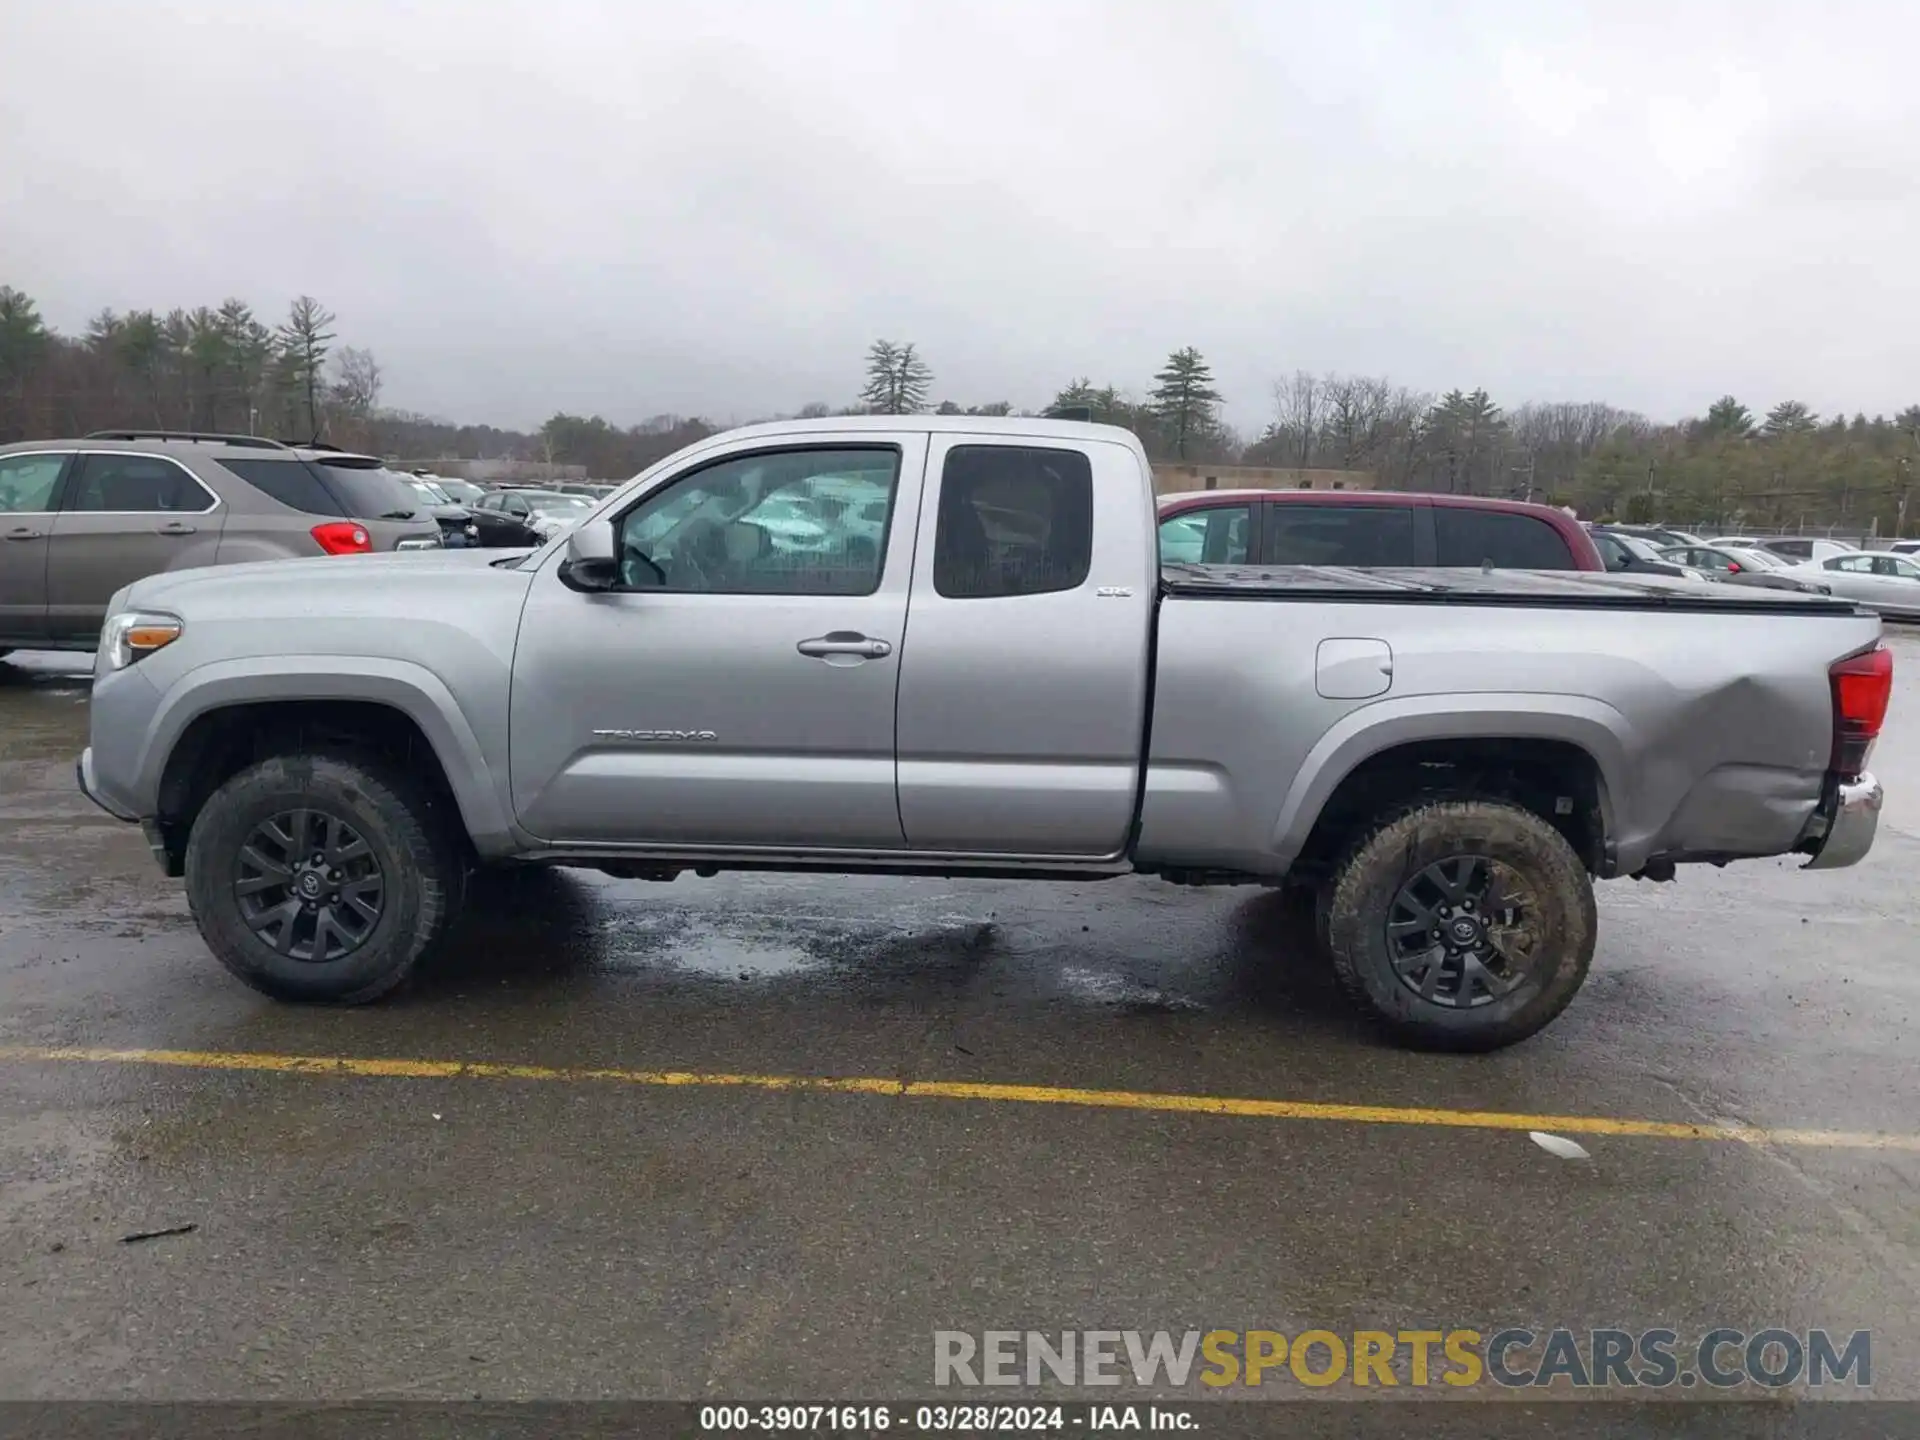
431 492
557 504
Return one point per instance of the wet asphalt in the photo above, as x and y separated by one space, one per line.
457 1237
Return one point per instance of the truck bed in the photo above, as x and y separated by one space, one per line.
1532 588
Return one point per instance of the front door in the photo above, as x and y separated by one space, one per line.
738 690
125 516
29 494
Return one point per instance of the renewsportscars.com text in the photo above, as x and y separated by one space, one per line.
1515 1357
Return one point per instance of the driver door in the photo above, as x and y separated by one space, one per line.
738 690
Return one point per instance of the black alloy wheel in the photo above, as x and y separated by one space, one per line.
1463 931
309 885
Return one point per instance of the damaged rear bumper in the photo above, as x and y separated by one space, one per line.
1850 820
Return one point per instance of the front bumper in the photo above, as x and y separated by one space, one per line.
1852 824
150 828
83 774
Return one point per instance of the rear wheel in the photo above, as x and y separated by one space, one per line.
322 877
1461 925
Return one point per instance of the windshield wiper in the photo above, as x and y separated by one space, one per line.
398 515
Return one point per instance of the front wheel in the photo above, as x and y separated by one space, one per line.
1461 925
321 877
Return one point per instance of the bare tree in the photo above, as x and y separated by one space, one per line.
1299 410
356 382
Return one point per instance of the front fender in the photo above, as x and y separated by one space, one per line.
1596 727
478 788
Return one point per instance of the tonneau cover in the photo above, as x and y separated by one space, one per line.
1466 586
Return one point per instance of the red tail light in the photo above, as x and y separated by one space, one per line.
343 537
1862 685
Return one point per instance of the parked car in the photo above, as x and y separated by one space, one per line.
1736 566
462 492
1629 554
1369 529
503 519
457 529
1904 547
550 512
1659 536
1798 548
81 518
1449 756
1886 582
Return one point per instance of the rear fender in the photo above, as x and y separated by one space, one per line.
1597 728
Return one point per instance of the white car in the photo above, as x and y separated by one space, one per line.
553 514
1796 548
1887 583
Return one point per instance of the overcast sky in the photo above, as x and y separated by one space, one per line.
632 208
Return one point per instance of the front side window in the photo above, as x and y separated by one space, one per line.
136 484
1014 520
1468 536
787 522
1215 536
27 481
1613 552
1362 536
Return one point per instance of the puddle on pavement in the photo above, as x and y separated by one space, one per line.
734 957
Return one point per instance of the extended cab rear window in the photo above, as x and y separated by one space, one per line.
1354 535
1014 520
1468 536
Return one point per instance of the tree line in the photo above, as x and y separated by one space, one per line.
226 368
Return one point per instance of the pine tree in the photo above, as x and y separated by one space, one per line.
882 361
1184 400
1727 416
897 380
304 339
1790 417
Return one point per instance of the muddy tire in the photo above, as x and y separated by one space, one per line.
322 878
1460 925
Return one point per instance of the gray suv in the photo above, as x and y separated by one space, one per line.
81 518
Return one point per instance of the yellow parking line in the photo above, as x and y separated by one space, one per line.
376 1068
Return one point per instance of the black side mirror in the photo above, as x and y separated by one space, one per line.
589 577
590 566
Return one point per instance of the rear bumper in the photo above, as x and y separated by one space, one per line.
1851 826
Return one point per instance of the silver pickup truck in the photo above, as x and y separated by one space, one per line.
931 646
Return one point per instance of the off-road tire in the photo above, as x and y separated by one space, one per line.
1360 893
412 839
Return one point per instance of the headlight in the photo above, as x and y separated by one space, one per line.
133 635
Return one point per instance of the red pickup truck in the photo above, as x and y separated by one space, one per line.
1369 528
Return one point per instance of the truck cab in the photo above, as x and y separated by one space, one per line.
963 671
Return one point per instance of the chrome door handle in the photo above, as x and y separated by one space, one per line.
845 642
23 532
176 527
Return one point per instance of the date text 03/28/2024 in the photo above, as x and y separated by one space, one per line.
962 1419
